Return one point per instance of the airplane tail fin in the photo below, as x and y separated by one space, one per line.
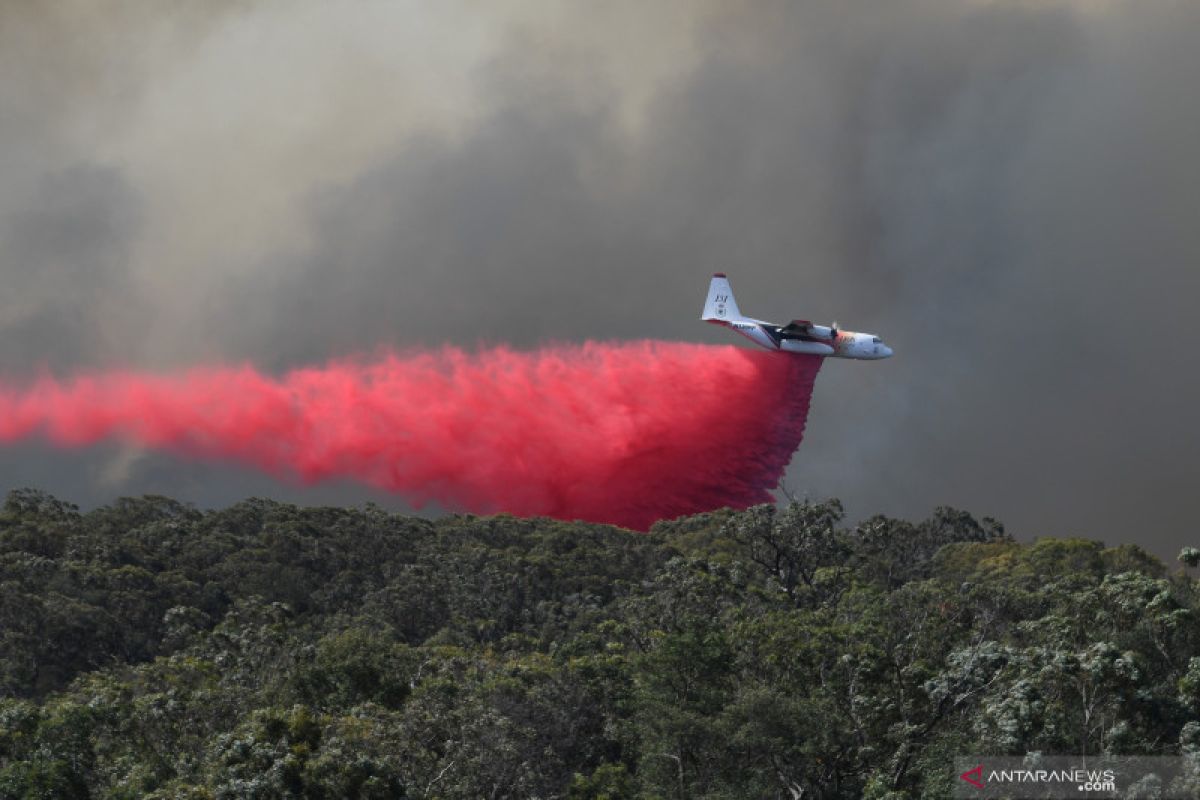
720 305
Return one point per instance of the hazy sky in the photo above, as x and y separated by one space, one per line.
1008 192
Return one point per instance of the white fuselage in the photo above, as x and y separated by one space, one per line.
825 341
798 336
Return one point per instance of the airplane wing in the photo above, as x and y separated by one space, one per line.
799 326
802 329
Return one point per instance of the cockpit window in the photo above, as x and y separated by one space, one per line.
876 340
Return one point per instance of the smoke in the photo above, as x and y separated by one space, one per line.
1005 190
626 434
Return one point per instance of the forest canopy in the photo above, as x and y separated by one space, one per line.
151 649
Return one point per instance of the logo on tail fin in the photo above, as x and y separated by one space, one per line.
720 303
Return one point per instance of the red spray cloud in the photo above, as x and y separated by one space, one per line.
620 433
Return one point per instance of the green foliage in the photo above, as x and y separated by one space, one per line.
149 649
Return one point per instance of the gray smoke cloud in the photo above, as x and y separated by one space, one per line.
1006 191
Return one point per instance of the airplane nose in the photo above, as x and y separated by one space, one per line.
887 351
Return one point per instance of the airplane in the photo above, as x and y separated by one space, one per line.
798 336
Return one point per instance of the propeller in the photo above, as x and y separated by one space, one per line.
833 329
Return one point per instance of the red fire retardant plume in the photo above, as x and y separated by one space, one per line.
620 433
